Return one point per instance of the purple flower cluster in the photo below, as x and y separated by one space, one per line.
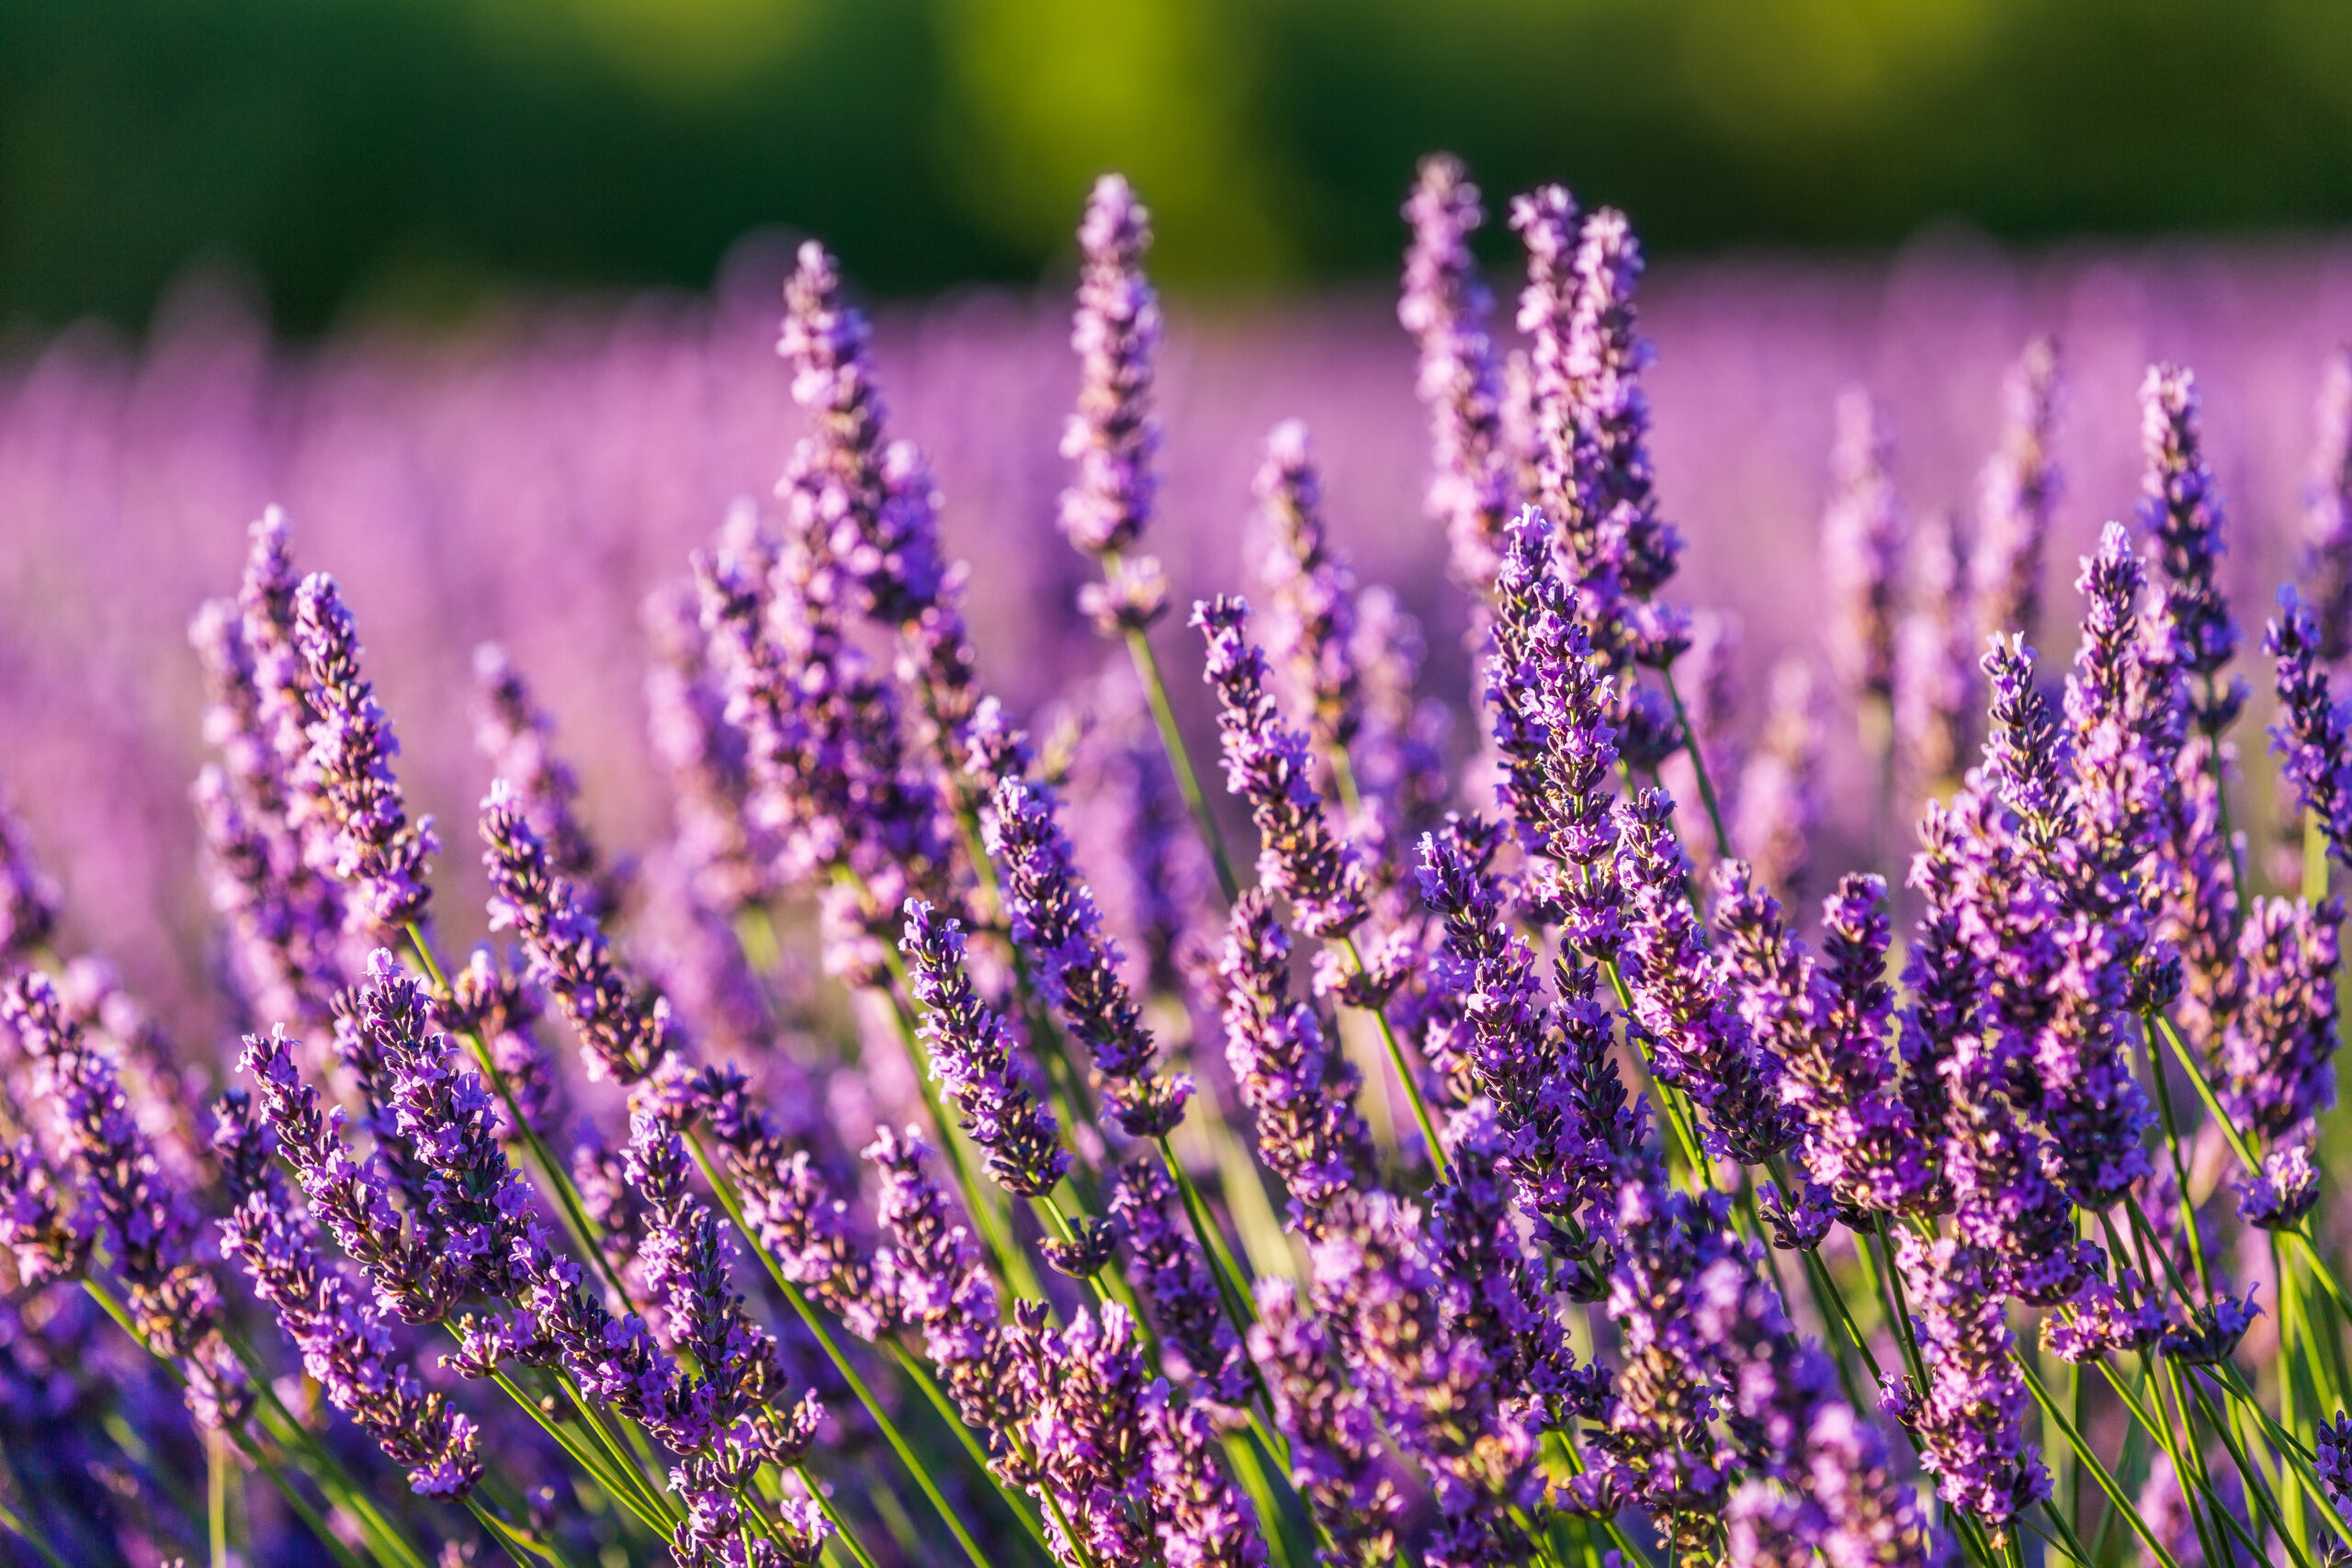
1445 306
971 1056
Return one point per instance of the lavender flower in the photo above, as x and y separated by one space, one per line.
517 736
704 754
685 1258
1172 1274
1313 636
2015 496
2334 1450
2327 565
1863 539
345 1345
1779 804
625 1029
2104 1317
971 1056
2278 1052
2181 511
1970 1419
1605 360
1334 1436
2313 734
144 1224
1266 764
1299 1089
1082 1389
2282 1192
2117 703
376 849
1055 922
1112 437
943 1289
1935 672
500 1006
1202 1520
2212 1333
1701 1042
1445 307
1546 221
46 1242
27 898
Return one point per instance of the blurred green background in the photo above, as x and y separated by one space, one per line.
358 156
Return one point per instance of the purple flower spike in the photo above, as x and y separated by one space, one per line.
1202 1521
1267 764
2278 1052
1055 922
1114 437
1082 1389
1701 1043
376 849
2180 509
1445 307
1969 1419
626 1028
2326 566
1334 1436
705 756
1936 686
126 1200
46 1242
2278 1196
2334 1450
1299 1088
1863 539
1779 804
1605 361
1312 639
2015 496
1546 221
517 736
2312 736
943 1288
972 1058
2104 1317
2118 703
28 898
1173 1276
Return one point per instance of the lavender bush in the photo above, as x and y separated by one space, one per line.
1500 1126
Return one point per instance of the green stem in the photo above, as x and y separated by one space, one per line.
1404 1069
1698 764
842 1532
2096 1469
15 1525
2257 1484
216 1498
1180 762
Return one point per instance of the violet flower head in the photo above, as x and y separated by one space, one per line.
45 1242
625 1029
2015 497
2025 758
1445 306
500 1005
376 849
517 736
1299 1087
2180 509
2283 1191
2119 1316
1055 922
1779 807
1546 221
1862 536
1700 1041
703 754
1312 639
2312 736
801 1219
1112 437
1267 764
1936 686
2278 1051
1605 360
685 1258
2119 781
27 897
1335 1456
2212 1333
1202 1520
1171 1273
1969 1419
1083 1389
943 1287
2327 565
2333 1450
2097 1113
971 1056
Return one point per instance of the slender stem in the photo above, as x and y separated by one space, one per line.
2180 1172
2098 1471
15 1525
1404 1069
216 1498
1180 762
842 1532
2257 1484
1698 764
2315 873
2159 1425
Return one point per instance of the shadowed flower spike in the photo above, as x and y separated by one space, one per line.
125 1200
2313 736
1083 1389
1077 964
517 736
703 754
1173 1275
2113 697
1863 536
2025 761
1202 1520
2282 1192
2102 1317
2326 568
2180 510
971 1056
625 1029
46 1242
1312 629
2211 1334
377 850
1445 306
2278 1052
1299 1088
1969 1419
1114 437
943 1289
1779 807
2015 497
1605 361
1266 763
27 898
1701 1042
1335 1450
1546 221
1936 686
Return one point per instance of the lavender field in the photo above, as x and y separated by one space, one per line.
1648 1040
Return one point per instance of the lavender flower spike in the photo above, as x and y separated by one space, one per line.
1055 922
1862 538
2327 565
1112 437
1970 1416
1606 359
1266 764
377 850
1173 1276
2180 508
1445 307
2312 736
625 1028
27 898
2278 1054
1314 618
2015 497
518 738
972 1058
